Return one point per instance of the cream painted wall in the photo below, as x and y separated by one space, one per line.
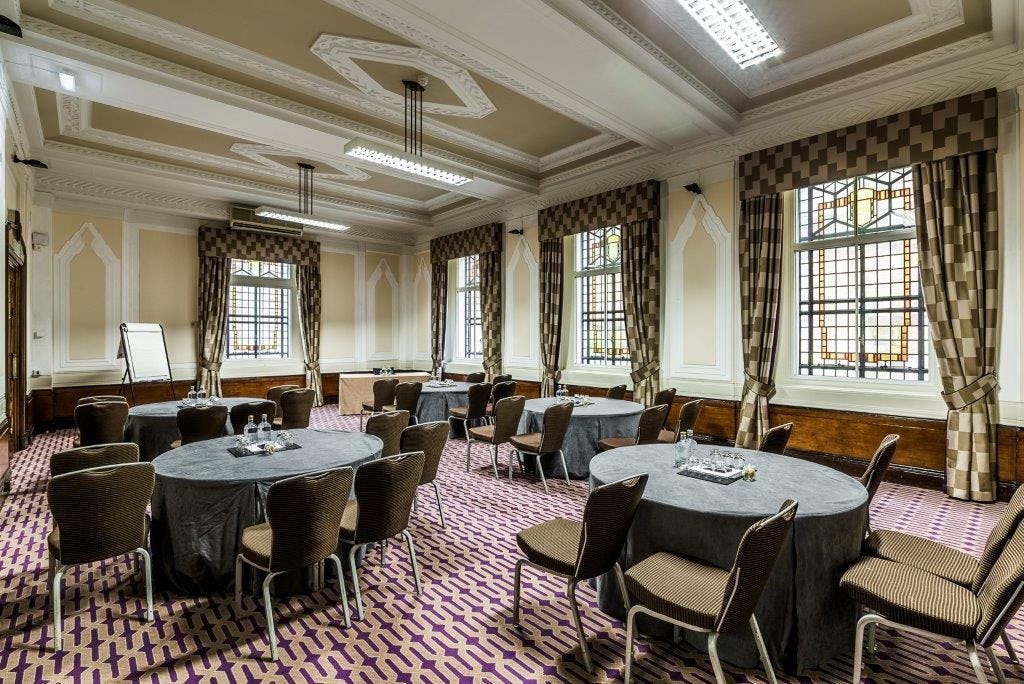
420 316
338 325
383 293
168 273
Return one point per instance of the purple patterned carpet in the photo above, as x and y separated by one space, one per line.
458 631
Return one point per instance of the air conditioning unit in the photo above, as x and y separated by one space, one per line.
244 218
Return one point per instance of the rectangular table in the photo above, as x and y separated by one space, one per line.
355 388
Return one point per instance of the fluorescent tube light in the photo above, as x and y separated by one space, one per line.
295 217
67 80
408 163
735 28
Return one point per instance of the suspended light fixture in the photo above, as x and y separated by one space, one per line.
414 114
305 214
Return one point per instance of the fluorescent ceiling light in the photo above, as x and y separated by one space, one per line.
67 80
295 217
735 28
408 163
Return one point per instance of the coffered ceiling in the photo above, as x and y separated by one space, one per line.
536 100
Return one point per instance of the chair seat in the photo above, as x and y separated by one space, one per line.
913 597
924 554
666 437
175 444
460 412
609 443
349 519
553 544
368 406
257 541
530 442
483 433
683 589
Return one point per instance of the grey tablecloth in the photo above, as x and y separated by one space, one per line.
803 615
205 497
435 402
603 418
154 426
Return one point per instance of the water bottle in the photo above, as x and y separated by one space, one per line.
201 397
250 432
264 430
190 399
690 447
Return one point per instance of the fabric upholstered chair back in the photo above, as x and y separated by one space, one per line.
384 392
239 413
101 397
296 406
1007 524
388 427
385 489
617 392
688 415
875 472
556 423
606 520
502 390
1002 593
95 456
651 421
776 439
304 513
407 396
476 377
429 438
274 394
476 400
101 512
198 423
507 414
498 379
755 559
101 422
665 397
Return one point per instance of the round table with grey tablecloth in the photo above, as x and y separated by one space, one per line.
154 426
436 401
205 496
603 418
804 616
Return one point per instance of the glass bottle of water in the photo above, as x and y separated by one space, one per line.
190 398
250 432
264 430
201 397
562 394
689 447
681 461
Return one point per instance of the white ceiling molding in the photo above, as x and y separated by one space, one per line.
341 52
584 148
263 155
73 114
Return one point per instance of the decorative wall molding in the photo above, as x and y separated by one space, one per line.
264 156
581 150
422 279
64 186
521 256
383 270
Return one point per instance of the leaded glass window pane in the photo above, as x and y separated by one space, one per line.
470 321
259 310
600 311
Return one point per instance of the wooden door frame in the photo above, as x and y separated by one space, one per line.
15 331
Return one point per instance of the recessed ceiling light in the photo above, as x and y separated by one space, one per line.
67 80
735 28
295 217
409 164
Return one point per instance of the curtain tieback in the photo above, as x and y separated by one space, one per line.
761 389
960 399
211 366
313 367
552 374
644 372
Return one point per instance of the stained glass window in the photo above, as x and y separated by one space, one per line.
861 313
600 312
259 310
470 326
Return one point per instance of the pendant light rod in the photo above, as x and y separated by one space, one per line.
414 114
306 188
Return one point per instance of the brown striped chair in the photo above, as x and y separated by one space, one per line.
199 423
239 414
664 397
687 419
499 391
498 379
101 397
274 394
296 406
776 439
383 395
873 475
651 422
388 427
617 392
476 377
303 518
429 438
580 551
96 456
100 422
475 410
407 398
507 413
548 441
699 597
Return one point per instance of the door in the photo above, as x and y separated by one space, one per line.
15 302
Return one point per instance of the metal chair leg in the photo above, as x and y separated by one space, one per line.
716 664
564 468
268 609
494 461
979 671
465 425
440 508
540 469
238 583
58 621
1000 677
510 453
627 676
147 570
516 591
412 558
858 645
1008 645
342 591
622 586
871 636
355 579
762 650
570 591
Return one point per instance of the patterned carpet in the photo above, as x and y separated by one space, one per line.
458 631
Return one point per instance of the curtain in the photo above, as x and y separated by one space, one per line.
490 304
760 296
552 257
307 281
438 311
958 242
641 292
214 282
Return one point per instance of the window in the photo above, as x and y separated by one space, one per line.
259 310
470 326
861 313
600 313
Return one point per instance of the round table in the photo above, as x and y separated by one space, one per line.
436 402
205 496
804 616
603 418
154 426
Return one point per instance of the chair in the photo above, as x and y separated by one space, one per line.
407 398
685 422
651 421
274 394
907 598
239 413
383 394
580 551
475 409
507 413
665 397
296 406
98 513
388 426
776 439
617 392
498 379
547 441
198 423
500 390
703 598
101 397
303 519
100 422
95 456
429 438
476 377
879 463
385 490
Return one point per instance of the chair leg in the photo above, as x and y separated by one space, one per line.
147 570
440 508
571 593
494 460
516 591
871 636
268 609
362 414
465 428
762 650
622 586
342 592
383 547
1008 645
412 558
58 622
1000 677
564 468
716 664
540 470
238 583
355 579
979 671
627 676
864 623
510 454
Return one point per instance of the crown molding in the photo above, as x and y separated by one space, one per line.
581 150
263 155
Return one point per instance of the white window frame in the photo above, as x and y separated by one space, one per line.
270 365
462 290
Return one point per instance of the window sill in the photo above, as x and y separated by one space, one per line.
596 376
866 396
236 368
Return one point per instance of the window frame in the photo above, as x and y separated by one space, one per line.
621 364
462 291
292 334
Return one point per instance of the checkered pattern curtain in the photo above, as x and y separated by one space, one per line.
214 282
641 292
438 312
552 259
490 302
307 281
958 239
760 233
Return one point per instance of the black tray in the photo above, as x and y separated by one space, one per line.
711 477
240 452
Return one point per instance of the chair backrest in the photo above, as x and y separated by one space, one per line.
497 379
651 421
1002 593
101 422
1008 522
384 392
776 439
501 390
385 489
101 512
429 438
407 396
617 392
388 426
606 520
556 423
755 559
875 472
101 397
197 423
507 414
296 406
665 396
688 415
305 516
274 394
476 377
94 456
239 413
476 400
